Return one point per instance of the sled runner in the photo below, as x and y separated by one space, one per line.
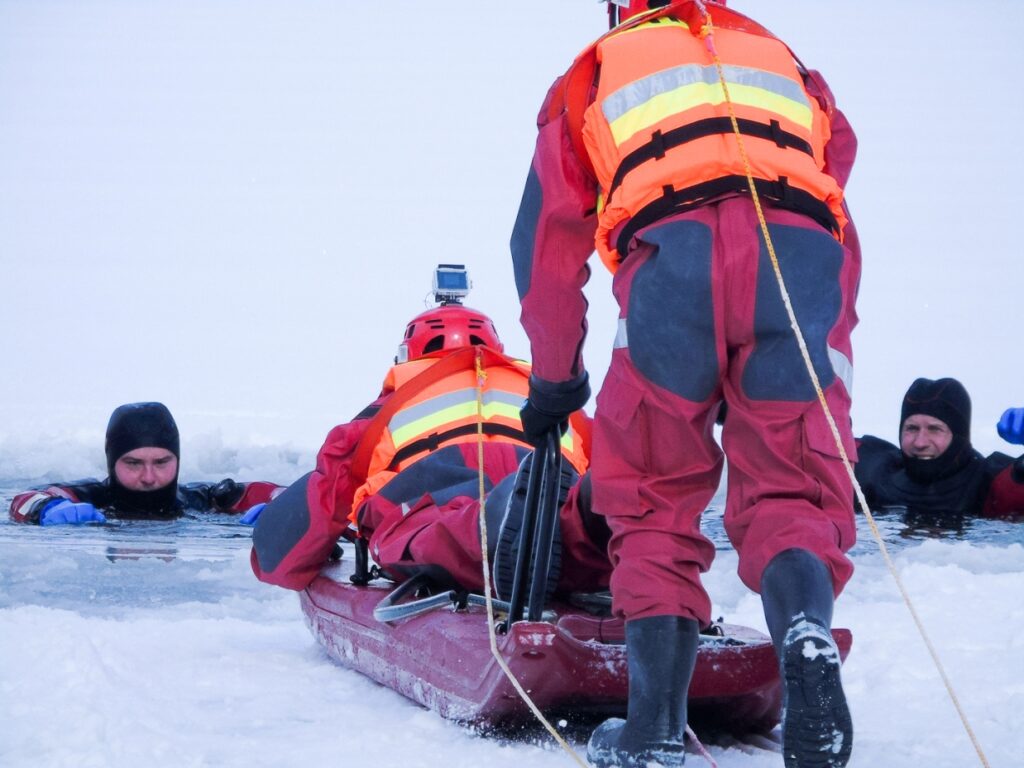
436 650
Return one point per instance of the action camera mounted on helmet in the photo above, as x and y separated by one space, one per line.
450 326
451 283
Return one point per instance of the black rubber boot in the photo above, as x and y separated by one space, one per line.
817 732
507 550
494 511
661 652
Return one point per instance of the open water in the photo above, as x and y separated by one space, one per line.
200 545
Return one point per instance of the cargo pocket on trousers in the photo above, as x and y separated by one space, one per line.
819 440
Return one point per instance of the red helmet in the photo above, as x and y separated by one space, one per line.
448 327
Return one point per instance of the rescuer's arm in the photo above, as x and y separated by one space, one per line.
551 242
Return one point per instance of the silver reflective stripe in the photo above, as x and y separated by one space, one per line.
448 400
843 367
42 499
641 91
621 340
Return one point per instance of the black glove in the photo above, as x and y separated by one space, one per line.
1017 473
550 404
226 493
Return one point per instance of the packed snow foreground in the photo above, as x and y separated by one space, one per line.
153 644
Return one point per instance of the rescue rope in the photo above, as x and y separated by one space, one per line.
481 376
707 34
701 749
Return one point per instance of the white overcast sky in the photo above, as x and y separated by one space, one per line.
234 207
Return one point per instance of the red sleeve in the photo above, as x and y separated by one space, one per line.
331 486
295 534
259 492
26 506
1005 496
841 149
551 243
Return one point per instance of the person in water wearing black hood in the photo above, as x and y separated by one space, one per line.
143 451
935 470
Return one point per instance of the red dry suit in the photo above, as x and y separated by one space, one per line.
652 177
417 501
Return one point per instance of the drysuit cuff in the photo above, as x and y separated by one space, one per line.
559 397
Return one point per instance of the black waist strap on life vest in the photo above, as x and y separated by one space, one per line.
434 441
661 143
674 201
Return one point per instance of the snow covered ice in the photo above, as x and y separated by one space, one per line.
153 644
226 207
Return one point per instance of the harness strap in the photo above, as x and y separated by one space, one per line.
433 441
674 201
661 143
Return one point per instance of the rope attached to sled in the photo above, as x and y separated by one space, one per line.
481 376
707 34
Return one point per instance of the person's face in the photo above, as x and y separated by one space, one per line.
146 469
924 437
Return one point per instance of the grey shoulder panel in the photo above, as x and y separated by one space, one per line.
281 525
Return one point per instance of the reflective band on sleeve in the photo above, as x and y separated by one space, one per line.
621 338
40 498
843 367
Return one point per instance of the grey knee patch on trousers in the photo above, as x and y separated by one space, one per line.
810 261
670 313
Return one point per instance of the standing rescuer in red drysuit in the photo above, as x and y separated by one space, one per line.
637 155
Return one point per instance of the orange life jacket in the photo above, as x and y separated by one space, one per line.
434 404
658 135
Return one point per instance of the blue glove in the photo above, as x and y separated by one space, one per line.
251 514
1011 426
64 512
550 404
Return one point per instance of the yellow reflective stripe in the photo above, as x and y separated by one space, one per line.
467 410
663 104
411 413
567 440
666 104
643 89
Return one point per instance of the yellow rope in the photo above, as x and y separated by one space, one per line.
481 376
707 32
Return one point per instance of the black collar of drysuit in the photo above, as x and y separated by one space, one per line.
161 503
953 486
957 456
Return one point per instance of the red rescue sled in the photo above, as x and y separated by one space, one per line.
574 664
569 660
